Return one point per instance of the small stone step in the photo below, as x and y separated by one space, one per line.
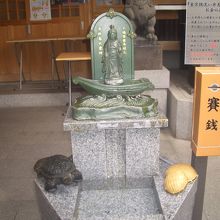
123 204
180 105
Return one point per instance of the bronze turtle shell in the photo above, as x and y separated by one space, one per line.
57 169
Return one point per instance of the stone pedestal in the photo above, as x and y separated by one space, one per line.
180 105
122 174
147 56
126 148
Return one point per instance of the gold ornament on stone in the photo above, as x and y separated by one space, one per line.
178 176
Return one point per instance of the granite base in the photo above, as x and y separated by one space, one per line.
137 199
147 56
125 148
160 78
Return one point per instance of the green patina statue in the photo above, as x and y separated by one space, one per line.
112 59
113 91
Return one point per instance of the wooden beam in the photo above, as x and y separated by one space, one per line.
170 45
169 2
167 15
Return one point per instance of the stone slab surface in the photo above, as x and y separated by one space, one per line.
143 197
121 204
73 125
180 105
115 144
115 153
60 204
147 56
89 153
142 152
117 183
171 203
160 78
175 207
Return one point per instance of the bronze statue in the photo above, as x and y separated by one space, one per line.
112 59
142 16
57 169
113 93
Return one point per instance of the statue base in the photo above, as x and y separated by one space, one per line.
101 107
147 56
136 199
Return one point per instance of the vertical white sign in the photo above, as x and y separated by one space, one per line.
40 10
202 42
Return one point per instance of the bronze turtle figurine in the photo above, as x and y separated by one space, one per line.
57 169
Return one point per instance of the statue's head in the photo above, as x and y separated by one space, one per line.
112 33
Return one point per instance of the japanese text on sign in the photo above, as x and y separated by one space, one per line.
206 112
202 44
213 104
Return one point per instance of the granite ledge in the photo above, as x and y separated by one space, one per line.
160 78
73 125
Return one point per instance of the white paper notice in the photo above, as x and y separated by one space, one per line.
40 10
202 44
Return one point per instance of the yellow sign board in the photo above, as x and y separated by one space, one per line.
206 112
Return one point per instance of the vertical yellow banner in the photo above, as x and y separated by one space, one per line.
206 112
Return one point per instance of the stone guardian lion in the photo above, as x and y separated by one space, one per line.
142 16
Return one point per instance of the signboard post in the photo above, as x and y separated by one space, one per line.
206 127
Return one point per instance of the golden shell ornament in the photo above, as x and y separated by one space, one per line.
178 176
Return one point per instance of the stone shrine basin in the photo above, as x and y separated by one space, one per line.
119 199
110 199
135 199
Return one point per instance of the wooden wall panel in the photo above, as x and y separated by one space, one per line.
8 64
39 61
3 37
53 29
63 29
26 58
17 32
37 55
70 29
37 31
82 68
